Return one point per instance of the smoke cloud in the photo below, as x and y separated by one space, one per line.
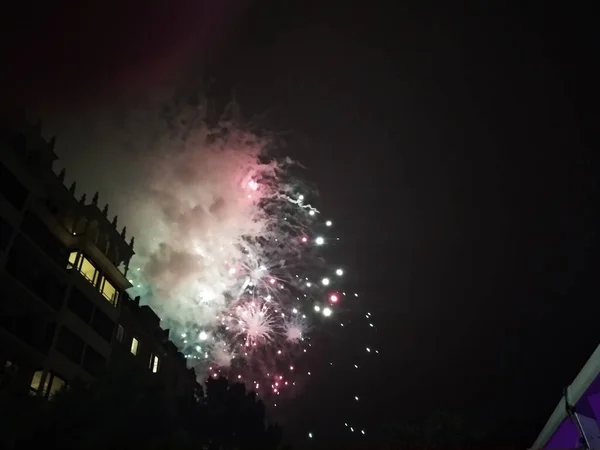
217 231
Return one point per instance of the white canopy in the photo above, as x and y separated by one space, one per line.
575 391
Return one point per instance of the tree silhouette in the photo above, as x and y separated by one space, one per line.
235 418
129 409
19 411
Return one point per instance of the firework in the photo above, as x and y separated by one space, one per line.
228 250
229 246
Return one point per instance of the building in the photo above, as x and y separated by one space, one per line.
575 422
64 310
140 339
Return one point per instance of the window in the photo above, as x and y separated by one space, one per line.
88 270
154 363
69 344
93 362
80 305
103 325
39 233
120 333
109 291
134 346
33 330
72 260
84 309
36 380
85 267
51 385
46 384
12 189
56 384
25 265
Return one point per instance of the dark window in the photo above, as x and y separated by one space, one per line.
9 372
6 231
93 361
18 263
70 345
24 329
39 233
80 305
24 264
102 324
30 329
12 189
54 291
120 333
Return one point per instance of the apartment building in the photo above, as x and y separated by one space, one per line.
64 310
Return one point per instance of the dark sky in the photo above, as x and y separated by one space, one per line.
451 145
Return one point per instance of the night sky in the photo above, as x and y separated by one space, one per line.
450 145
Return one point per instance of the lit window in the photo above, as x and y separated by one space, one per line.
88 270
120 333
72 260
56 385
51 385
109 291
36 380
134 346
154 363
46 384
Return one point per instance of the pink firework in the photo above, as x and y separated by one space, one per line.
254 321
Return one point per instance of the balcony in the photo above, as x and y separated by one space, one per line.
34 274
87 269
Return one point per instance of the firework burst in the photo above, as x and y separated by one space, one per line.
227 251
253 322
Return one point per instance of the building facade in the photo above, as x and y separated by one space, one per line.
64 310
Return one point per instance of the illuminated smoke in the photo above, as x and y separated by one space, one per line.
224 247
